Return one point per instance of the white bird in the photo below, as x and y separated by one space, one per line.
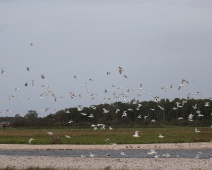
93 107
117 110
136 134
152 151
91 115
17 88
79 108
50 133
84 114
194 106
67 111
207 104
196 130
92 155
124 114
67 136
145 117
70 121
161 136
182 83
30 140
190 117
110 128
166 155
122 153
160 107
141 87
105 110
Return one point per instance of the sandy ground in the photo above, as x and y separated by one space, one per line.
89 163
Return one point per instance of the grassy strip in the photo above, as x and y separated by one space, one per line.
100 136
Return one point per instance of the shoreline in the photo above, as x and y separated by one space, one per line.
199 145
89 163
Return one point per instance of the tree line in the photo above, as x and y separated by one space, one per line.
134 113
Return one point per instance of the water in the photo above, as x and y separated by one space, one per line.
177 153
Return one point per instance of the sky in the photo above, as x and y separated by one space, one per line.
157 43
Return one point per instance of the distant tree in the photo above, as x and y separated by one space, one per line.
31 114
31 117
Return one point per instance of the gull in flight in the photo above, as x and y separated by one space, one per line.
91 115
160 107
30 140
92 155
122 153
50 133
196 130
28 68
161 136
152 151
141 87
190 117
17 88
117 110
70 121
42 76
105 110
195 106
182 83
198 93
139 117
2 71
136 134
120 69
84 114
124 114
180 118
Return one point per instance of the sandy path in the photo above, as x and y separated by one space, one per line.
206 145
89 163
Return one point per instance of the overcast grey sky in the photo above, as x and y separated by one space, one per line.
156 42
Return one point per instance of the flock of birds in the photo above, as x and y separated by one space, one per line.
120 96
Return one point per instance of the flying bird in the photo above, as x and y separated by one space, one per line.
120 69
30 140
182 83
2 71
42 76
161 136
50 133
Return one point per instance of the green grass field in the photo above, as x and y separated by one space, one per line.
99 136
